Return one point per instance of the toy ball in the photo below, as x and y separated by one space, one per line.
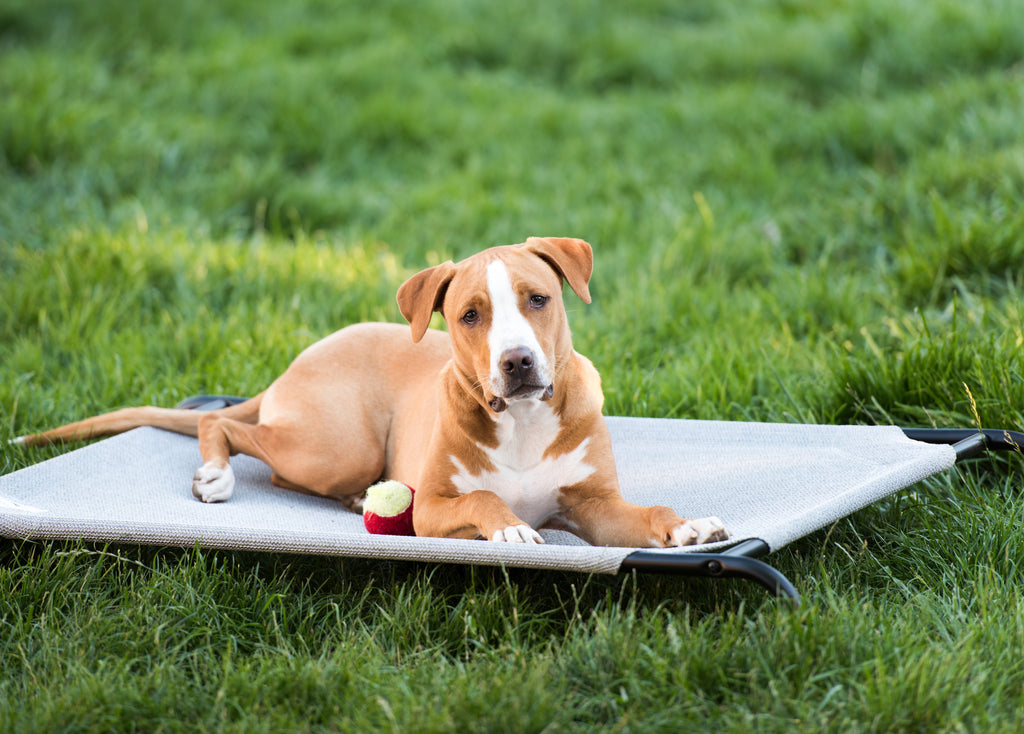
387 509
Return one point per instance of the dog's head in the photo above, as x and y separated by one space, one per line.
510 335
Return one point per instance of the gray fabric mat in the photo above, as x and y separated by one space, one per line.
776 482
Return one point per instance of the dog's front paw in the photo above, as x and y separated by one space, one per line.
213 482
696 532
517 534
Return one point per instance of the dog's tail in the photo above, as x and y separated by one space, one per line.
178 420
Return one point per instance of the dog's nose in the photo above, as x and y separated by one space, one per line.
517 363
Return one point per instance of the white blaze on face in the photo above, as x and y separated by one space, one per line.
509 328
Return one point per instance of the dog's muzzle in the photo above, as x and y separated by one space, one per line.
520 378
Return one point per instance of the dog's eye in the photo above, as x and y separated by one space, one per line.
470 318
538 301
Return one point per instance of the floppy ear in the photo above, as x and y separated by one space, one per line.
423 294
571 258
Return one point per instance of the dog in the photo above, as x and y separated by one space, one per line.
497 422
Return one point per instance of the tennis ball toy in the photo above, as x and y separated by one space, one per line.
387 509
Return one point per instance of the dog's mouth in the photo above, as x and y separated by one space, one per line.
524 392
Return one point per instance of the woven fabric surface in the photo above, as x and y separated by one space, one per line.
776 482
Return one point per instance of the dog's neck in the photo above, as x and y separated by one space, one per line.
525 432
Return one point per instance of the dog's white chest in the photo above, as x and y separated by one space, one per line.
526 480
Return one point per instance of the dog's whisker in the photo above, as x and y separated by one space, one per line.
482 382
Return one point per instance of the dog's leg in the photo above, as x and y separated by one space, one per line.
303 454
219 438
222 434
478 514
610 520
353 502
343 474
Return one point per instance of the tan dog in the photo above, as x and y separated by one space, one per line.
497 424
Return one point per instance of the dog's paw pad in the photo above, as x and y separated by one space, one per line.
517 534
213 482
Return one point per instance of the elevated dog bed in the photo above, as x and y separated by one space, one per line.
769 483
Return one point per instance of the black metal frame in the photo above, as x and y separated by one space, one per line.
740 561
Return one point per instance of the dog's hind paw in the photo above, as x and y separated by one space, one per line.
213 482
517 534
699 531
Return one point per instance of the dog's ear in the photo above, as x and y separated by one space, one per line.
423 294
571 258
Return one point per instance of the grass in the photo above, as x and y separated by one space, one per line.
800 212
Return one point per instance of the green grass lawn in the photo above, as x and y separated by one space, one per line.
801 211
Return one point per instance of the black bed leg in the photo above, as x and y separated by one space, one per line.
729 564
